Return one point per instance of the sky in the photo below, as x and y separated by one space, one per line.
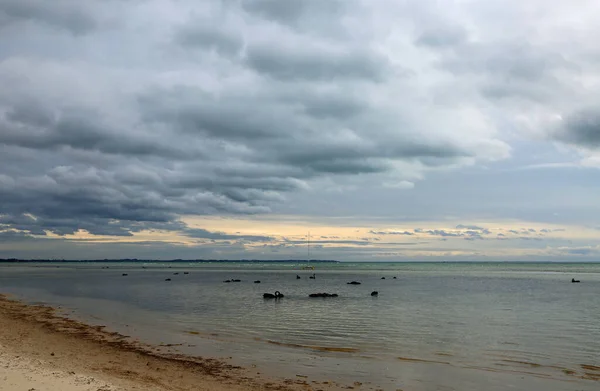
389 130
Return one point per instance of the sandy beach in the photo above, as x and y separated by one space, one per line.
41 350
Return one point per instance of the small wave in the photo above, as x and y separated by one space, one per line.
319 348
410 359
499 370
206 335
527 363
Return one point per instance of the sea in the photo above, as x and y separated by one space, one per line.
432 326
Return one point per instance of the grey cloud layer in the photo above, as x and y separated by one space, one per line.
70 15
116 121
230 116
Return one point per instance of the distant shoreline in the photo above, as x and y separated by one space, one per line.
14 260
274 261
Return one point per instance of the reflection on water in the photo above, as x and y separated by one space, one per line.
459 326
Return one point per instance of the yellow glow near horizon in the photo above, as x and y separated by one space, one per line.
298 229
332 233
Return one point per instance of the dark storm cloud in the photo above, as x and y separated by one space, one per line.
224 109
25 224
93 224
338 156
290 12
524 64
14 236
443 36
286 64
210 36
30 126
267 131
197 112
501 69
323 58
581 128
71 15
332 106
308 14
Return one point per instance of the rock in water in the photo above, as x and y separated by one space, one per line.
323 295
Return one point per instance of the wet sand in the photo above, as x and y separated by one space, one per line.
43 350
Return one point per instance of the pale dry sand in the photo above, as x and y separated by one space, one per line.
43 351
23 373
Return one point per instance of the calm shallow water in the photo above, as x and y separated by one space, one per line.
450 326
